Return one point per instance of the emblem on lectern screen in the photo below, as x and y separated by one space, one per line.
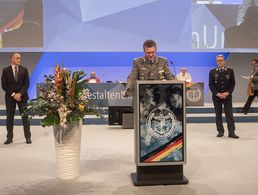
161 123
194 94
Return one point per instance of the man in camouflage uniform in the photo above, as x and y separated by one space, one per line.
148 67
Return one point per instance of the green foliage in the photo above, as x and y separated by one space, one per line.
62 99
50 120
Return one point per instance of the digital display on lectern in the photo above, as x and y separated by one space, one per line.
161 116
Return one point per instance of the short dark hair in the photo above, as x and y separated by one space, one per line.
149 43
254 60
220 56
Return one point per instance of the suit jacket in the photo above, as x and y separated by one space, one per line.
144 70
221 81
10 86
28 35
242 36
255 79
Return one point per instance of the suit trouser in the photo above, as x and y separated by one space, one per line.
249 101
10 112
227 103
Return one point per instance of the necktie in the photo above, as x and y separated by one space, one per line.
16 73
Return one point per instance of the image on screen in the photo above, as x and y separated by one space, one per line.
21 23
225 26
161 123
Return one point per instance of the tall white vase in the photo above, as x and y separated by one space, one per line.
68 144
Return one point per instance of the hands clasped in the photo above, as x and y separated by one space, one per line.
223 95
17 97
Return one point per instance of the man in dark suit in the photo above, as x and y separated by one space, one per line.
15 83
222 84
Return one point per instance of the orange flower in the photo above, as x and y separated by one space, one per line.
58 78
81 107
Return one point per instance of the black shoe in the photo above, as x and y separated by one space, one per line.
233 135
243 111
8 141
220 134
28 141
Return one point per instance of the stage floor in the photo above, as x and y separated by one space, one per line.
215 166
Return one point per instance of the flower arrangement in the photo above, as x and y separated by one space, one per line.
63 99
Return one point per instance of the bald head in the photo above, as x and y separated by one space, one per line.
92 75
15 58
183 70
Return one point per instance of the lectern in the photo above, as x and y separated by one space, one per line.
160 133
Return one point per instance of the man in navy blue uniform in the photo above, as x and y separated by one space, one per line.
222 84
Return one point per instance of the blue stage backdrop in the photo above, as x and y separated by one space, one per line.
115 66
105 36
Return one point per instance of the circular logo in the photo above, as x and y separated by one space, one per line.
161 123
194 94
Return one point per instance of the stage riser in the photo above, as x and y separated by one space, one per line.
192 110
3 112
98 121
211 110
202 112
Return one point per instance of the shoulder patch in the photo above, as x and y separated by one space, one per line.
137 58
160 57
228 68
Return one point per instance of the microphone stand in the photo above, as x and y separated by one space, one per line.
174 67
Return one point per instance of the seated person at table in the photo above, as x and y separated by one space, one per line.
184 76
93 78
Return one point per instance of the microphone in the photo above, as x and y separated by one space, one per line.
103 76
174 67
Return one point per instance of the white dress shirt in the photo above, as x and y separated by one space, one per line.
13 68
187 77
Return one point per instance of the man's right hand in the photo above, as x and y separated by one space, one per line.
223 95
17 97
219 95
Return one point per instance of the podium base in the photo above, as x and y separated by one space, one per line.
159 175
